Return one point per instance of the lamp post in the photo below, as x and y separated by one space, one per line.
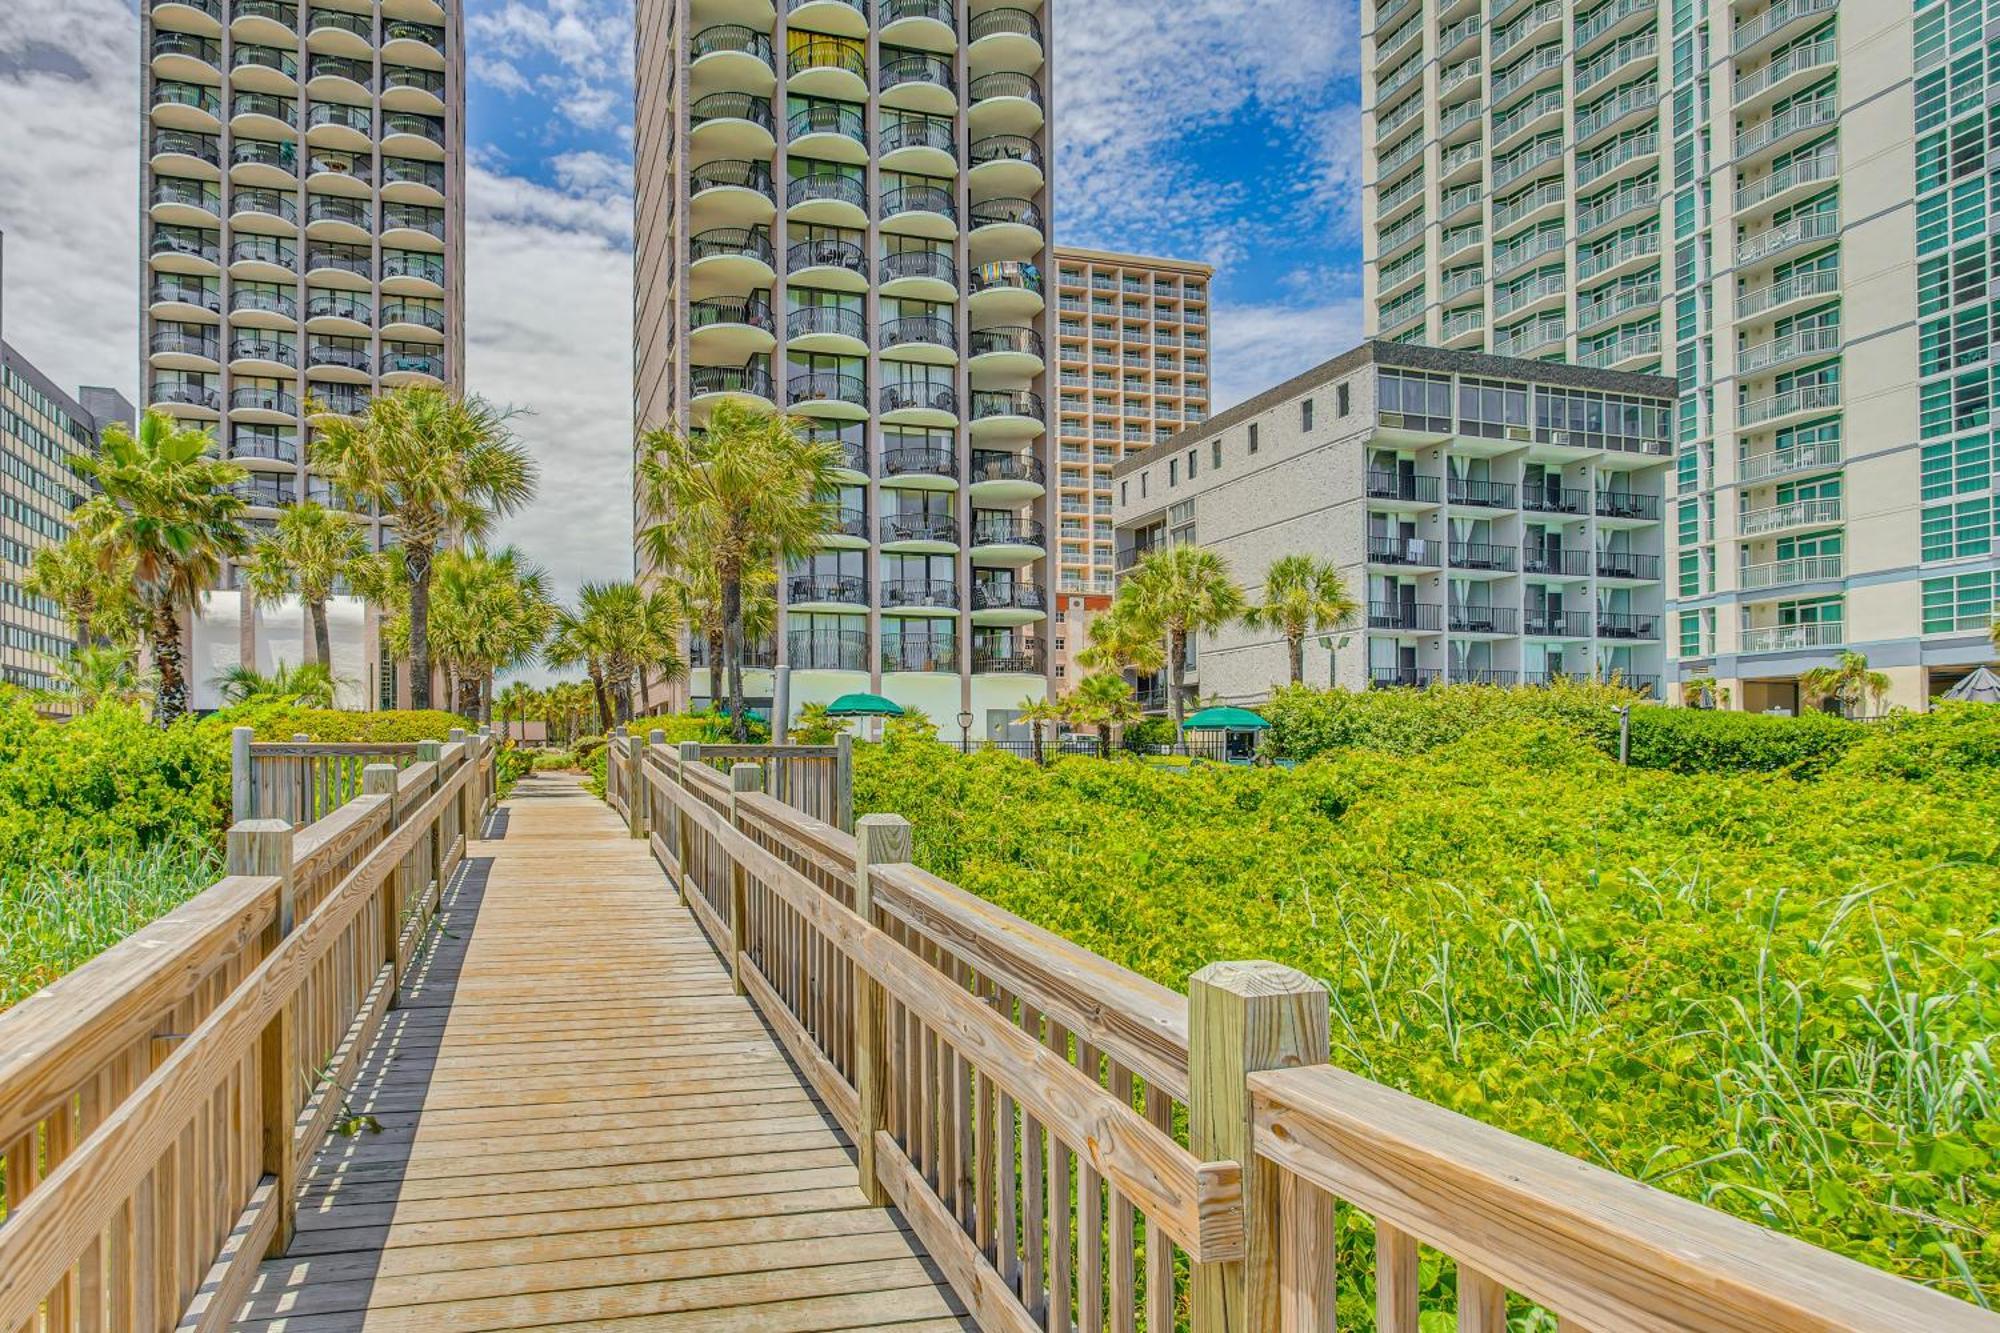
964 733
1333 657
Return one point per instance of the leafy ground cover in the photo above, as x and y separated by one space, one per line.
1773 991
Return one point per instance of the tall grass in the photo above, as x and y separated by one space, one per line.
53 919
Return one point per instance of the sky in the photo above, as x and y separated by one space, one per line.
1184 130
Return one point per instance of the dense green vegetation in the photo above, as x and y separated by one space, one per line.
1773 991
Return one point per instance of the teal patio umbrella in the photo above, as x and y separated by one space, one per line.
1226 719
863 705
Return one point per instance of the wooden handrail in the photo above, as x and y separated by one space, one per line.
166 1040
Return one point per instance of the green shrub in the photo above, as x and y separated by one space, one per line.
328 726
553 761
1952 743
54 917
1149 733
1696 740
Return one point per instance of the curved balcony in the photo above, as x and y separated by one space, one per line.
202 401
339 79
1003 660
1006 540
337 32
186 57
731 193
821 66
919 404
1013 225
732 125
804 592
339 313
732 257
257 403
338 361
192 108
261 309
412 180
920 467
408 43
252 352
406 88
919 653
935 534
268 162
839 330
830 131
173 296
846 441
262 116
828 198
1008 602
194 15
268 211
918 81
1004 39
405 225
268 22
1788 407
828 262
408 365
844 18
338 400
187 250
333 217
926 275
266 492
924 25
185 347
828 393
179 153
1006 478
1007 291
263 69
340 173
847 528
732 56
920 595
1008 414
1006 102
181 202
747 383
408 134
929 339
411 273
406 319
255 446
922 145
929 211
731 328
827 650
340 126
1007 165
1006 351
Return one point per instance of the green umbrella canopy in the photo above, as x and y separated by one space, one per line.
1226 719
863 705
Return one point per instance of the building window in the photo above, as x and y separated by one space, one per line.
1955 604
1173 472
1306 415
1191 462
1215 453
1124 491
1253 437
1142 484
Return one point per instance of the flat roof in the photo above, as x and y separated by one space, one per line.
1409 356
12 358
1135 261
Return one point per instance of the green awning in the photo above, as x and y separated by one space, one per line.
1225 719
863 705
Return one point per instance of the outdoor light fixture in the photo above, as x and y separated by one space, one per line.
965 731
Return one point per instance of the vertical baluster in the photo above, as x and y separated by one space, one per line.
1124 1272
1482 1302
1395 1280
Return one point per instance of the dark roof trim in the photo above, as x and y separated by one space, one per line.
1409 356
11 357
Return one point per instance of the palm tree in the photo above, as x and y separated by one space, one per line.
1847 684
93 674
310 685
1114 642
309 551
178 520
489 612
696 593
1040 714
606 634
90 575
438 468
1302 593
1177 591
518 702
747 492
660 627
1103 700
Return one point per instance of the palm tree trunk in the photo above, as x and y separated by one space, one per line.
170 699
322 639
1297 644
603 700
714 669
645 692
732 642
1177 673
417 560
486 699
1103 742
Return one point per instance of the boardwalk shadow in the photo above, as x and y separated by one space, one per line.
348 1197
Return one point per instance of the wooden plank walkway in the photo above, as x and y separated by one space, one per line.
582 1127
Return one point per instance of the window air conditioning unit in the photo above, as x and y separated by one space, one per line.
1517 432
1558 437
1392 419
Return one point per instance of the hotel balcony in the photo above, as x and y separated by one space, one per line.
1789 406
1406 617
1788 462
1553 622
804 592
1022 659
1401 490
1484 621
1007 540
1480 558
1628 567
255 352
1783 517
1406 552
1785 573
1627 625
1006 165
1794 638
1008 602
1559 563
1481 494
920 595
1387 678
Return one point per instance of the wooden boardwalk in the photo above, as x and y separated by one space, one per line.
582 1127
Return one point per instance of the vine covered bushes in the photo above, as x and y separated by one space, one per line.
1777 996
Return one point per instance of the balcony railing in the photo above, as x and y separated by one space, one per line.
323 353
205 49
725 38
1007 403
1004 148
1822 397
1608 17
1535 63
1009 595
1751 31
915 594
752 379
919 653
919 396
730 174
1784 462
827 386
1627 565
1822 166
408 264
754 311
1819 340
1006 467
1800 569
1552 622
917 199
187 341
837 590
1482 555
732 106
251 397
1563 563
1486 494
1418 616
1543 500
1418 551
1005 530
1628 504
246 346
1415 678
243 297
1794 638
919 461
996 212
1643 342
1591 72
827 650
1823 52
1009 659
920 527
1484 620
915 67
1005 83
1402 486
1627 625
1806 230
1819 112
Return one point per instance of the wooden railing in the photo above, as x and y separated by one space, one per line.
158 1104
299 780
817 779
1078 1147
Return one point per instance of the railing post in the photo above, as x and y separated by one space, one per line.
242 798
263 847
878 840
742 778
843 782
431 752
1244 1018
463 804
656 739
636 821
683 826
380 780
488 779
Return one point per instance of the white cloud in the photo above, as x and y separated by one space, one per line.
1257 346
